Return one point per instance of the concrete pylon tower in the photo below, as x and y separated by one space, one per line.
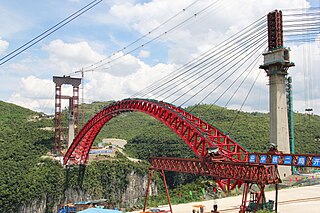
276 64
71 125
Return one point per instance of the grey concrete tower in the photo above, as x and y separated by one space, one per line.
276 64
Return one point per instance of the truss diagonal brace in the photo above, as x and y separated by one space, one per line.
260 174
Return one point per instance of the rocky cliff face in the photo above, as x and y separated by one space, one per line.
35 206
135 190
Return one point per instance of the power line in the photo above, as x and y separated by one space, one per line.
151 40
48 32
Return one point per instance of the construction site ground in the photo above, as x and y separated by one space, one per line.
291 200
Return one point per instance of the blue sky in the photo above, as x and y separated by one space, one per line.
111 25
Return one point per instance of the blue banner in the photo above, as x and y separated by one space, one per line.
316 161
263 159
302 160
287 160
252 158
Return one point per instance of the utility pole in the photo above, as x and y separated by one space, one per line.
276 64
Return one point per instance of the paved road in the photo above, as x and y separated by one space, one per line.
307 199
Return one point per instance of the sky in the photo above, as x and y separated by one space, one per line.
111 25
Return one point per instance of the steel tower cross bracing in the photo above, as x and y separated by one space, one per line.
276 64
73 108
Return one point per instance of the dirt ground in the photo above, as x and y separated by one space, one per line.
292 200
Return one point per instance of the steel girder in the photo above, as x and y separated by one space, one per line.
196 133
250 173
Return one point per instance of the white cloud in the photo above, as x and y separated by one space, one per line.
67 57
205 29
121 65
34 93
144 54
125 76
106 86
3 46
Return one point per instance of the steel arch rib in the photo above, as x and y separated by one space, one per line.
196 133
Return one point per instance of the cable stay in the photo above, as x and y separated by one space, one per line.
244 101
222 47
201 66
253 64
188 66
302 27
234 64
223 64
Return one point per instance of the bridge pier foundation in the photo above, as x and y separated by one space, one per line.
276 64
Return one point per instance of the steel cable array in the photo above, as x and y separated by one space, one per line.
238 51
201 59
301 26
220 55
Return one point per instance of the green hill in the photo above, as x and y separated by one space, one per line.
251 130
26 176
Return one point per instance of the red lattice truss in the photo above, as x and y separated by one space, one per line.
195 132
260 174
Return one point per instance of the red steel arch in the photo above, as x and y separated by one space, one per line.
195 132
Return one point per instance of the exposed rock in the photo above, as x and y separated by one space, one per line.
137 189
35 206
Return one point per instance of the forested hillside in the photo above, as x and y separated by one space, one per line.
251 130
26 176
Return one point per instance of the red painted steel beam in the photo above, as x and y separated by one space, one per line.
226 144
275 31
251 173
196 133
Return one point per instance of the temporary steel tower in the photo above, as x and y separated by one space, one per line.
73 117
276 64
